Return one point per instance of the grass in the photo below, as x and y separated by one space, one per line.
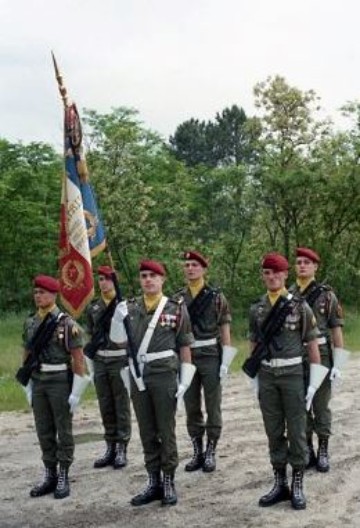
12 397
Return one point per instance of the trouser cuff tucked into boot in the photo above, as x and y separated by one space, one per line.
209 458
63 487
152 492
169 492
48 484
120 459
298 500
198 456
107 459
311 454
323 455
280 490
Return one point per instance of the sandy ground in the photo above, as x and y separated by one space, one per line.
227 497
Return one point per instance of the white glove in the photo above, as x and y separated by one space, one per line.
117 328
228 355
335 375
121 311
125 376
309 397
78 387
90 368
187 372
254 383
317 375
28 391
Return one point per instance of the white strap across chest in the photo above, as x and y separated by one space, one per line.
144 345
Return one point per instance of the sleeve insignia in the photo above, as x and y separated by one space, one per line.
75 331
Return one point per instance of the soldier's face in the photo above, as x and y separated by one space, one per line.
43 298
151 283
193 270
105 284
305 268
274 280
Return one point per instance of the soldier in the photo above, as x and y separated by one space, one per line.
55 387
109 360
210 319
280 381
161 328
329 319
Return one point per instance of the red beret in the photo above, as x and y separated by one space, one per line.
275 262
307 253
195 255
152 265
107 271
47 283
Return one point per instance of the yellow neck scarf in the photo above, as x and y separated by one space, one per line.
107 297
195 286
274 295
151 301
42 312
304 283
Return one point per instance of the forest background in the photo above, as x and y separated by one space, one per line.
233 188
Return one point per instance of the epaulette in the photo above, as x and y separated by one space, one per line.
177 298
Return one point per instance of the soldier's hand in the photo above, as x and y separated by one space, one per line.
309 397
73 401
335 377
223 373
28 392
121 311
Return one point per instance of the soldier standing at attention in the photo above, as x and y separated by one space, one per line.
328 313
55 386
210 320
162 335
109 359
281 382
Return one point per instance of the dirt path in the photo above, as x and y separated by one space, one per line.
226 498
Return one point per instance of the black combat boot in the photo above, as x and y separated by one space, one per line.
48 484
63 487
198 456
107 459
209 464
120 460
298 501
280 490
311 454
323 456
152 492
169 492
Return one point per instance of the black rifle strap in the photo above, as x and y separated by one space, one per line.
198 305
275 319
312 292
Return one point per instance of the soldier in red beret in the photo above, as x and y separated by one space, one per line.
107 362
280 377
58 357
211 353
162 335
328 313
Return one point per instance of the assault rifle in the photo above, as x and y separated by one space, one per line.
269 329
100 336
35 346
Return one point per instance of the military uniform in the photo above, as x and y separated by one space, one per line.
206 356
51 390
281 388
328 315
155 407
113 398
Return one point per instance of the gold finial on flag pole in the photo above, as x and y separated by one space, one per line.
59 78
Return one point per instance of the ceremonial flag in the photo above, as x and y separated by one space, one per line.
81 231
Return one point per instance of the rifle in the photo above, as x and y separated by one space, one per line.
131 348
270 327
35 346
99 338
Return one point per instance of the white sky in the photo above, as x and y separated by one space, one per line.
169 60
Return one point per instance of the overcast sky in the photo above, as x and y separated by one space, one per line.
171 60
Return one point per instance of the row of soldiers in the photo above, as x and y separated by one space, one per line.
183 346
